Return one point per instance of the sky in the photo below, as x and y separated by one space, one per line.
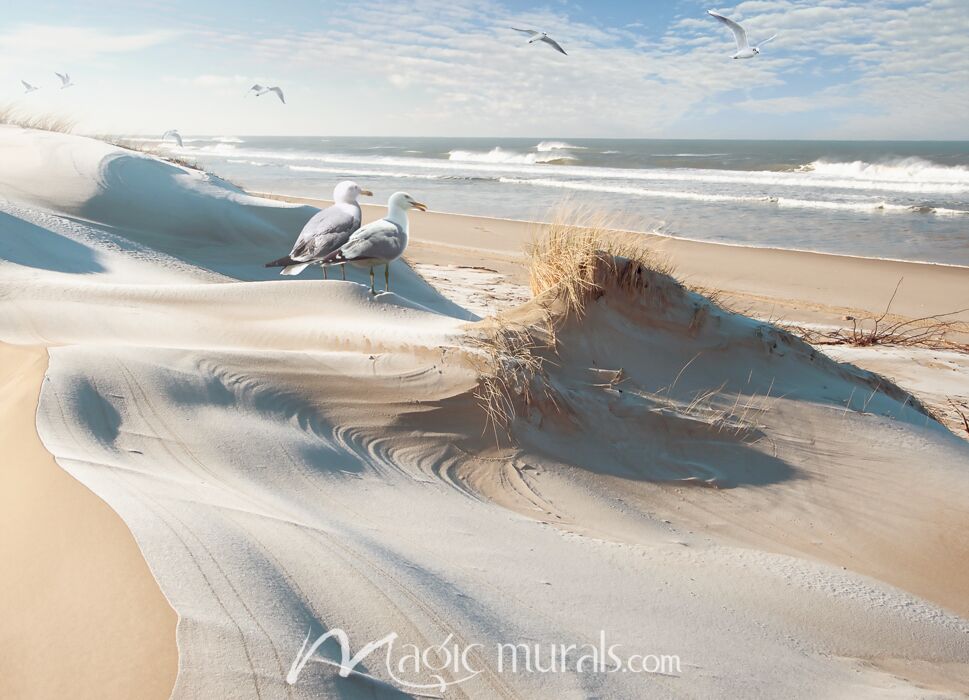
884 69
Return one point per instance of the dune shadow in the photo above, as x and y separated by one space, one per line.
27 244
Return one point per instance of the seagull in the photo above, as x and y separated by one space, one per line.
326 232
28 88
65 80
541 36
173 134
380 242
744 49
261 90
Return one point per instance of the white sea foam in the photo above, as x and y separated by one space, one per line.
228 139
861 207
907 170
499 155
546 146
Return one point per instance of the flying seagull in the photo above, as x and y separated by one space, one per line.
261 90
744 49
65 80
326 232
380 242
541 36
28 88
173 134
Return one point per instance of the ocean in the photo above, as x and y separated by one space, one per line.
904 200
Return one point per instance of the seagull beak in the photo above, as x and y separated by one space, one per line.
366 193
420 205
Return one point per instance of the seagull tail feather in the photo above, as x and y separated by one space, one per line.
294 269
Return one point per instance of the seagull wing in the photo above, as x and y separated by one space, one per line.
380 240
529 32
766 41
28 85
554 44
739 33
173 134
63 78
279 94
325 233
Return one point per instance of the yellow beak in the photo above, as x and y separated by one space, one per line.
420 205
366 193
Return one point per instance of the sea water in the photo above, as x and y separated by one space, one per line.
888 199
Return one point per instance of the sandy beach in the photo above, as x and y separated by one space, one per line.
271 459
82 614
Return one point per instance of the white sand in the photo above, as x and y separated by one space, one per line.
296 455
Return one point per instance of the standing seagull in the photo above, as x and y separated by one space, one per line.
541 36
744 49
261 90
173 134
326 232
65 80
28 88
380 242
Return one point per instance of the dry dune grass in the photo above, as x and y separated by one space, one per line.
580 253
13 116
130 145
575 260
930 332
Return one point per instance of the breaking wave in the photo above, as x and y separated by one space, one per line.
546 146
860 207
499 155
911 170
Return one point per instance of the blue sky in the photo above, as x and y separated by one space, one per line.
838 69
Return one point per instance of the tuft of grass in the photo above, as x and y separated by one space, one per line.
576 259
140 147
579 254
13 116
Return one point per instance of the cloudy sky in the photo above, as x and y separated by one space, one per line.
838 69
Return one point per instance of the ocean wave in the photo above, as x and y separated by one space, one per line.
499 155
860 207
228 139
689 155
546 146
385 173
908 170
503 162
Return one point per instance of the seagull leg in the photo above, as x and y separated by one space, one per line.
325 275
387 277
371 281
343 271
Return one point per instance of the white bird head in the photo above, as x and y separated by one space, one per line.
348 191
402 200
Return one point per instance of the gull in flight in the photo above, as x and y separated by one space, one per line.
541 36
261 90
65 80
326 232
380 242
28 88
744 49
174 135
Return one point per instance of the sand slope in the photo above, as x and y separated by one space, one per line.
298 457
82 614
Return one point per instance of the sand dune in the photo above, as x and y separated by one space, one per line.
294 457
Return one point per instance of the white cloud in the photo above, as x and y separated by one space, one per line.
76 42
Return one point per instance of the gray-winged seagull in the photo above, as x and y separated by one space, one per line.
326 232
541 36
380 242
744 49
